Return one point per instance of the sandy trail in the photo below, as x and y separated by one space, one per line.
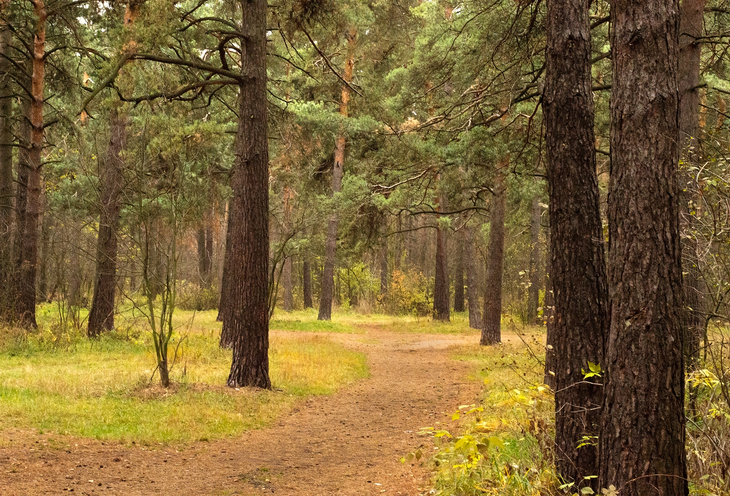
349 443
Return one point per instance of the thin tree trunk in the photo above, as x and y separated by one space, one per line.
384 268
247 321
577 266
472 285
441 299
533 292
101 316
21 208
307 283
492 330
226 341
459 305
286 280
642 440
327 284
29 253
205 254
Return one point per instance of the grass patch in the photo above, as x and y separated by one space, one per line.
62 382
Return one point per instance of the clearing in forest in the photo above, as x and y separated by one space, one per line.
348 443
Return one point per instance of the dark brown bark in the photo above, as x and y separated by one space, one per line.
642 441
286 282
551 364
459 305
472 284
577 266
307 283
6 169
441 298
21 207
690 28
533 292
492 320
101 316
327 282
44 259
247 320
26 296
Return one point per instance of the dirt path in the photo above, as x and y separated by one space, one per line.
346 444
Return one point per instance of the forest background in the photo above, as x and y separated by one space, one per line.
394 160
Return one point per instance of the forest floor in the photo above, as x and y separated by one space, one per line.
349 443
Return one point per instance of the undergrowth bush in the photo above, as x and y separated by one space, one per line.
191 296
407 294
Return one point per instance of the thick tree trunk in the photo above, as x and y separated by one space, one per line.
492 330
577 268
307 283
691 28
533 292
101 316
642 441
44 259
327 282
25 306
459 305
247 321
6 170
441 298
472 284
21 208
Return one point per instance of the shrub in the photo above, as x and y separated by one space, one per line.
190 296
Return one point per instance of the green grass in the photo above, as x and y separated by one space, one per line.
62 382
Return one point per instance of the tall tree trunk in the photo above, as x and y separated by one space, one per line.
44 259
205 254
472 284
101 316
25 306
690 28
533 292
577 266
459 275
21 208
226 341
441 299
548 312
307 283
6 168
286 281
327 283
642 440
492 330
247 321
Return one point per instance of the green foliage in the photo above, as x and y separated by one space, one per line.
408 294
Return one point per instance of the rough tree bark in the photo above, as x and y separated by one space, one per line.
226 340
327 283
533 292
690 29
642 440
26 296
492 320
459 305
247 320
441 298
472 285
101 316
577 266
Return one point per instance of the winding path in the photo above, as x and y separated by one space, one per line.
349 443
